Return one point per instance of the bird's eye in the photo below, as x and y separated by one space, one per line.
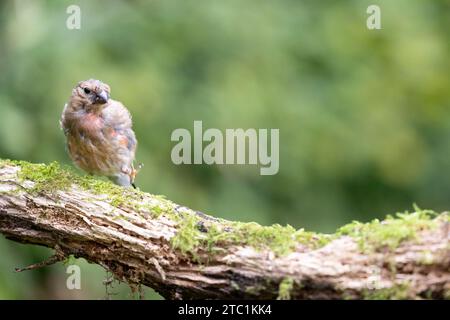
87 91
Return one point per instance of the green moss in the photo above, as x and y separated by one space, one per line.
70 260
156 210
117 196
53 177
285 288
396 292
313 239
187 238
49 177
391 232
195 234
117 201
5 162
282 240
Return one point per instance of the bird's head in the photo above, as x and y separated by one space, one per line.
91 94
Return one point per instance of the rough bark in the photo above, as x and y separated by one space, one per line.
138 248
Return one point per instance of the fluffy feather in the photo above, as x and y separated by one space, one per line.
99 135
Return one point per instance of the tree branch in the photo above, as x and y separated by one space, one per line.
146 239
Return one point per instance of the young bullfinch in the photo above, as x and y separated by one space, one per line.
99 133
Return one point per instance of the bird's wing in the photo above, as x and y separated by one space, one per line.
117 120
116 115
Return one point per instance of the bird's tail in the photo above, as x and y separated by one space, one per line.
123 180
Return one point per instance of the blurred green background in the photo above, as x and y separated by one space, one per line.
364 116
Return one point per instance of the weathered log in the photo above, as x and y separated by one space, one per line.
147 240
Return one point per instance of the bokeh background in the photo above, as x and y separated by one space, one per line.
364 116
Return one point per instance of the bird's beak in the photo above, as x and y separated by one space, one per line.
101 97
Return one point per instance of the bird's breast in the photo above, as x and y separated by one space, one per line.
91 124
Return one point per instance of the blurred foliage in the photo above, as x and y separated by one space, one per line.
364 116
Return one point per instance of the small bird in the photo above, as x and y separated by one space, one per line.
99 135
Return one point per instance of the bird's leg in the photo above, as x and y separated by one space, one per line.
134 172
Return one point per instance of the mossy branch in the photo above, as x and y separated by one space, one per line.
146 239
